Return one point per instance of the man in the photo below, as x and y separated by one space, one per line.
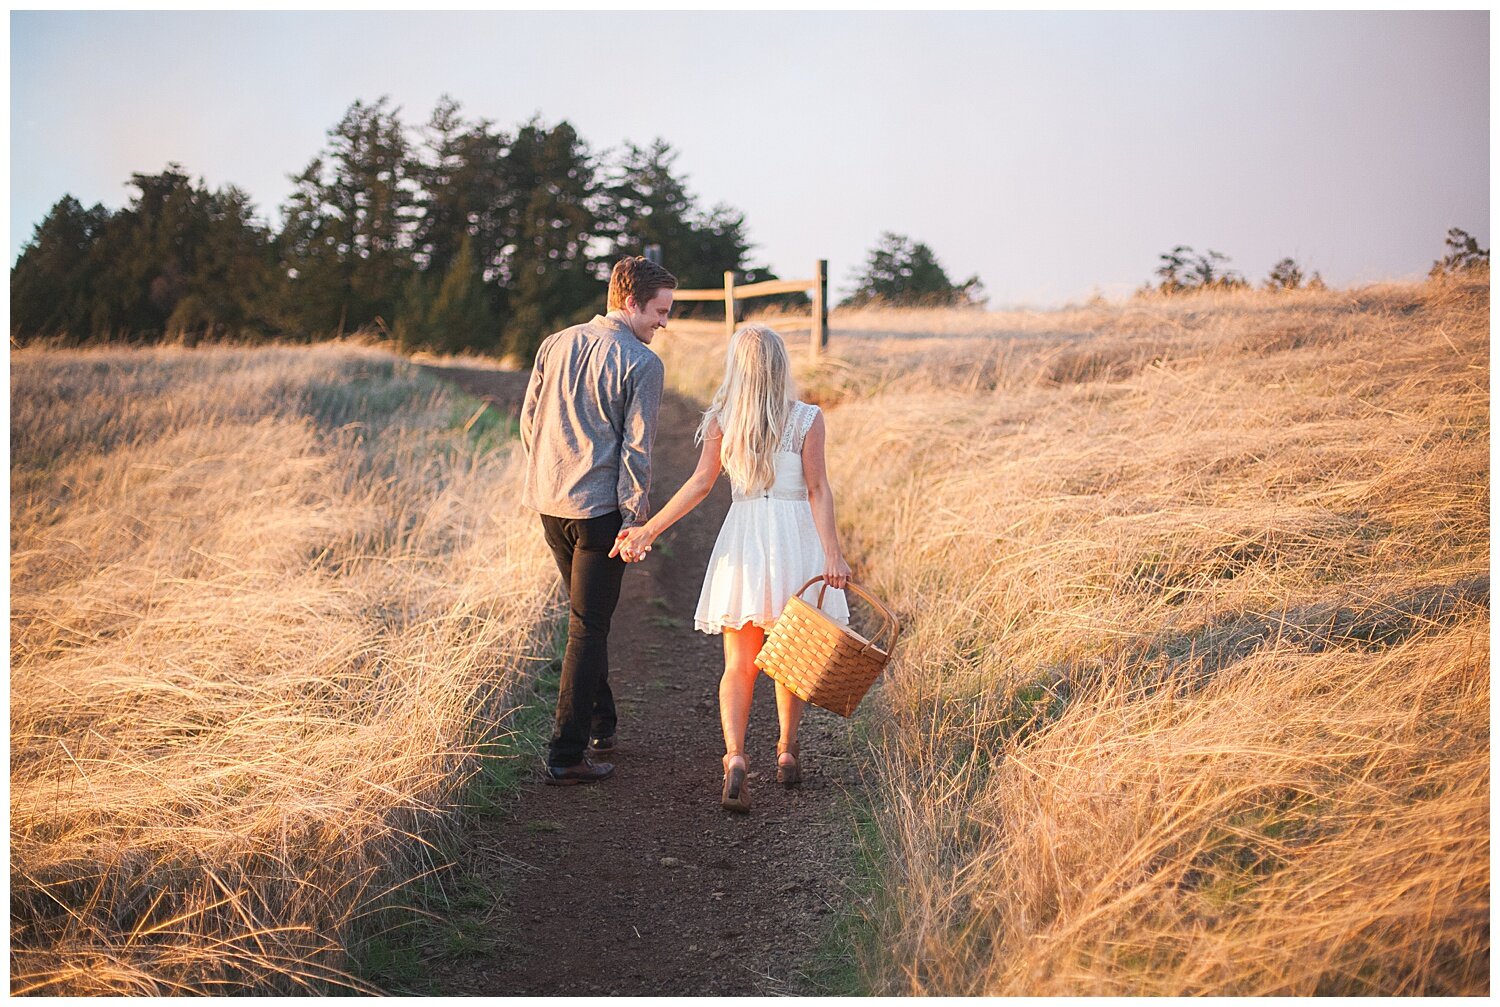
587 427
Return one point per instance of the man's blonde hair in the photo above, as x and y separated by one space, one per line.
751 407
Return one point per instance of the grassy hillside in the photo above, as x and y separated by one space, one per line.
265 605
1194 692
1192 696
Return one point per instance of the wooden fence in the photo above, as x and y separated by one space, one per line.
733 297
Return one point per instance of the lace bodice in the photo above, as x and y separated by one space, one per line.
790 483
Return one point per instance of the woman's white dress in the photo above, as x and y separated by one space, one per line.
768 547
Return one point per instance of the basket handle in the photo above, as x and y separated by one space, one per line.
888 620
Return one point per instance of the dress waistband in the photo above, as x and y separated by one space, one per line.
773 495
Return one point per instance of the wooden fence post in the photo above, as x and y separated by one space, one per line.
728 302
820 308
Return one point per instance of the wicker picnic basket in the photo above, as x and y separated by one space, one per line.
821 660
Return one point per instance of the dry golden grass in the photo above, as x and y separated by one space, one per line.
1194 689
265 606
1193 697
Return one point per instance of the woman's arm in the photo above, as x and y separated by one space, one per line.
636 542
820 496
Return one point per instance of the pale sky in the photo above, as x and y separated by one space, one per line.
1052 154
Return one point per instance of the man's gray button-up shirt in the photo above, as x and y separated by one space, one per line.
589 421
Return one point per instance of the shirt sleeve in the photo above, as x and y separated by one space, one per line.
642 403
528 405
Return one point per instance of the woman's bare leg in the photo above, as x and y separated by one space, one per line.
737 687
789 713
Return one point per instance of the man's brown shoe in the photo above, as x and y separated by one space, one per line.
598 745
583 772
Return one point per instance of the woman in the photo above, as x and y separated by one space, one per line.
779 534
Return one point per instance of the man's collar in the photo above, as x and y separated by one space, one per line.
618 320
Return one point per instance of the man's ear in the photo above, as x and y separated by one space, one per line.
632 305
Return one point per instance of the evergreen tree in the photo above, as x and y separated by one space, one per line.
442 216
552 276
232 286
1173 267
53 283
905 273
646 203
454 317
178 259
1183 270
461 191
411 329
1208 273
147 252
1464 255
311 259
460 317
1285 275
349 224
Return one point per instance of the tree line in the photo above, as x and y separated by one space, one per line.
462 237
1185 271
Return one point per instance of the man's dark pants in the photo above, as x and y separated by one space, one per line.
584 703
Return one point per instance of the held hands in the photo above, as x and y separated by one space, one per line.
836 572
632 544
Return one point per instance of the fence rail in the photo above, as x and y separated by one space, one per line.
734 296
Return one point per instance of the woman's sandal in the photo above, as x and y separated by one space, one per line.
788 775
736 796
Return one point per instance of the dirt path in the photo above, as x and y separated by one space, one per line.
643 884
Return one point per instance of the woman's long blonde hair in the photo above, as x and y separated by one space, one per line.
751 407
